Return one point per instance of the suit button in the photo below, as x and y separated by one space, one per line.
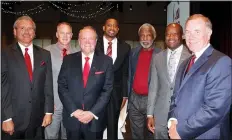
171 88
29 101
31 88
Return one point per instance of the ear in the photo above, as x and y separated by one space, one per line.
103 28
14 32
56 35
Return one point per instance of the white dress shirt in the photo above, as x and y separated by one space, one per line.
83 64
114 47
197 54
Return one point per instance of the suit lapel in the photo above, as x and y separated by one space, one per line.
184 55
119 52
20 58
37 61
203 58
165 59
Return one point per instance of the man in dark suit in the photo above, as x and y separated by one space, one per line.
85 83
29 77
119 50
202 95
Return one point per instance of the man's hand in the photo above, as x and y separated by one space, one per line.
86 117
151 124
123 103
8 127
47 120
173 134
78 113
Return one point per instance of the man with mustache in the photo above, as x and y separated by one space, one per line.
139 79
118 50
164 67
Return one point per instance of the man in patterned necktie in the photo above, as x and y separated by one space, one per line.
163 70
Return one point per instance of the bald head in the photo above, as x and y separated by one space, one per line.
173 36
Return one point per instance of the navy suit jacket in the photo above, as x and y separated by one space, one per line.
202 98
133 59
95 96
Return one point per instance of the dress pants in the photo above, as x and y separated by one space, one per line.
29 133
52 130
112 116
84 133
138 116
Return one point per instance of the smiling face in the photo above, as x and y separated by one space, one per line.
197 34
87 40
111 28
146 37
24 31
173 36
64 34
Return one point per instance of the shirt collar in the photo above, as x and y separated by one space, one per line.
198 54
177 50
62 46
113 41
22 47
90 56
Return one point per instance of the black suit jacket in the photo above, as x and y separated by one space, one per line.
120 68
94 97
26 102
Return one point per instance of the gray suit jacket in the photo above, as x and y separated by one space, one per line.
57 60
161 88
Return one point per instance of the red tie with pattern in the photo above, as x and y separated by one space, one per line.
28 63
86 71
109 49
64 52
190 63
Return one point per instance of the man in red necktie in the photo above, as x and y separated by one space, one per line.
58 51
119 51
85 83
30 93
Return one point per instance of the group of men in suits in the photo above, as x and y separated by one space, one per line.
176 94
86 84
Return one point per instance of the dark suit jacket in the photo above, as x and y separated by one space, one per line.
29 100
120 68
133 59
202 99
94 97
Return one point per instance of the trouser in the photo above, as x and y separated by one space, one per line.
138 116
84 133
52 130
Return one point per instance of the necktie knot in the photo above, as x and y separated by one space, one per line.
109 43
87 59
64 52
191 62
26 49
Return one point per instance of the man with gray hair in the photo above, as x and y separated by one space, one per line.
139 69
28 95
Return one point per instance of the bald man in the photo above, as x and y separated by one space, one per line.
163 70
